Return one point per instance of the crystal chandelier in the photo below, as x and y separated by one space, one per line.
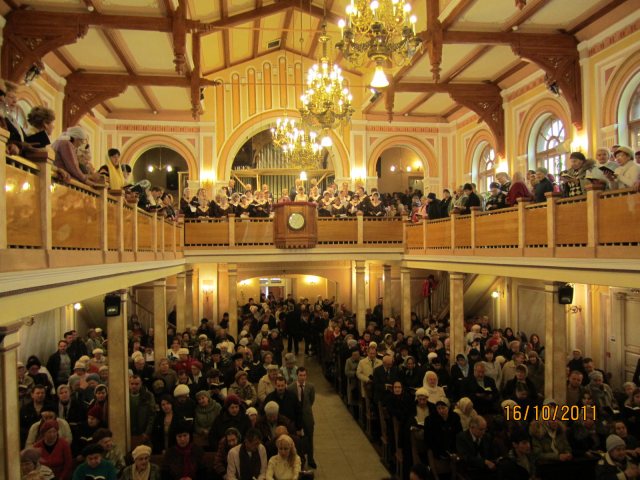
299 147
380 30
326 104
282 133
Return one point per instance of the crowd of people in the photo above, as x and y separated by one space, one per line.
220 407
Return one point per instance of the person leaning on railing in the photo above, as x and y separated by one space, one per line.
42 124
66 149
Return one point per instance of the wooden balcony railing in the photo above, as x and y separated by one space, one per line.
214 233
600 224
46 223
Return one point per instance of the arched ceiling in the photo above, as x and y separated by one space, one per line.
139 40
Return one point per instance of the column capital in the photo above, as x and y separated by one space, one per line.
621 295
405 270
160 283
552 287
181 275
456 276
189 273
386 267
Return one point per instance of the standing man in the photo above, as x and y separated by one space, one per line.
306 394
142 408
59 364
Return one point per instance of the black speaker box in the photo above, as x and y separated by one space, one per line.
112 305
565 295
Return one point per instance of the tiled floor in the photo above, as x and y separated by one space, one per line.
342 451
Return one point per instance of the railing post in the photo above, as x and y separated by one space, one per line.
522 232
360 220
424 235
154 232
44 177
162 236
119 194
103 214
4 135
474 213
232 230
453 216
593 204
134 247
551 222
405 243
174 231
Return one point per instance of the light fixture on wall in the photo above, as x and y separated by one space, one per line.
77 306
495 294
575 309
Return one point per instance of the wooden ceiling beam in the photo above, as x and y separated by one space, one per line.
516 68
256 31
509 38
196 106
456 13
450 88
452 110
285 30
91 79
249 16
595 16
168 7
305 6
417 103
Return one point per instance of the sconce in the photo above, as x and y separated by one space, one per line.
495 294
575 309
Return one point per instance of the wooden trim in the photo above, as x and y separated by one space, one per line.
516 68
251 15
67 63
533 7
285 29
595 16
456 13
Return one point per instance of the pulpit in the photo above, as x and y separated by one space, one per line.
295 225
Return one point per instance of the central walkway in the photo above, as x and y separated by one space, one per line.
342 450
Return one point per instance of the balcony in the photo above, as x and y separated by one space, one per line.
48 224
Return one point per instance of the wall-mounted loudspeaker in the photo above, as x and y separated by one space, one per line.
565 295
111 305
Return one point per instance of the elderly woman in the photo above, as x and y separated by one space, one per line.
232 416
434 392
30 464
55 451
185 459
142 468
207 411
465 411
518 190
66 148
602 394
286 464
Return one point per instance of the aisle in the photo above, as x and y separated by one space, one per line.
342 450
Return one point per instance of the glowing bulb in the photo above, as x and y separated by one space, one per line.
77 306
303 176
374 5
413 19
150 168
379 79
407 7
326 141
26 186
409 169
393 168
342 23
495 294
169 168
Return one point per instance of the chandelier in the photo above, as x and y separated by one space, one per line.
326 104
380 30
299 147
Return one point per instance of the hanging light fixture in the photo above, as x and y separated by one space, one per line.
151 167
380 30
283 131
326 104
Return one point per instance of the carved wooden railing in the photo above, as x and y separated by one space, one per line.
215 233
600 224
48 223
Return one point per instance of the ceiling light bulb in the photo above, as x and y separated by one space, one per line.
326 141
169 168
495 294
77 306
393 168
150 168
379 79
408 169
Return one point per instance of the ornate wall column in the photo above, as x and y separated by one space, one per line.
386 301
361 306
160 319
188 303
119 413
405 310
181 302
232 279
456 315
555 362
9 420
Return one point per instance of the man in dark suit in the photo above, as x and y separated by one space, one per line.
482 391
287 401
305 392
383 378
476 451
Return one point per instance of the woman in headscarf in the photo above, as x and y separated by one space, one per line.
434 392
112 171
142 468
55 451
30 462
232 416
465 411
66 148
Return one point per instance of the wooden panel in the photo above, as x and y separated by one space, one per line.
75 218
335 230
129 212
535 220
383 230
112 225
616 215
463 232
414 237
439 233
145 231
497 229
254 232
22 189
571 222
168 236
203 232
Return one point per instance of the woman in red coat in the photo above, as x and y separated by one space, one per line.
56 452
518 190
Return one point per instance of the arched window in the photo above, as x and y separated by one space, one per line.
548 142
486 168
634 120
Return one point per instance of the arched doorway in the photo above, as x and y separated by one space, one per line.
400 168
163 167
258 162
299 286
